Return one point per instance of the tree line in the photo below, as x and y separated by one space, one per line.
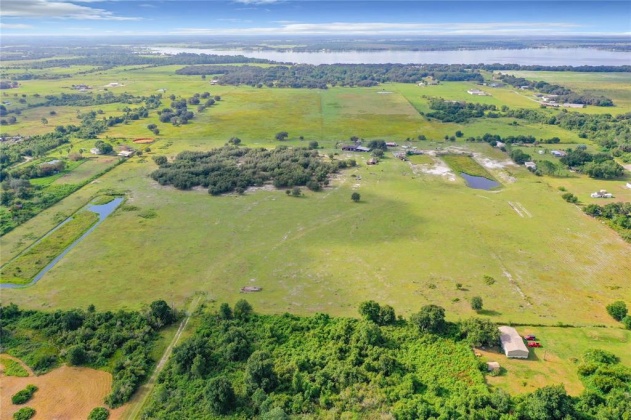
325 75
563 94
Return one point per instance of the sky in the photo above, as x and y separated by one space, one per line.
286 18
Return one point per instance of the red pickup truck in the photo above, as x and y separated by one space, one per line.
534 344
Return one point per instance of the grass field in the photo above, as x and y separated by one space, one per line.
322 252
408 242
558 359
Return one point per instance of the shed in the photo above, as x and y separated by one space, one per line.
492 366
512 343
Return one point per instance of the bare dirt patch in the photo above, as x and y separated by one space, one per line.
439 167
65 393
143 140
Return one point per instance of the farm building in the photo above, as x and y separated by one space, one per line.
492 366
95 151
391 144
628 184
601 194
558 153
476 92
126 153
512 343
531 165
354 148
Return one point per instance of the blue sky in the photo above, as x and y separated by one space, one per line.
285 18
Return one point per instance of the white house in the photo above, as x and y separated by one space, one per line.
95 151
530 165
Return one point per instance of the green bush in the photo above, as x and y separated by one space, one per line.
24 413
618 310
99 413
23 396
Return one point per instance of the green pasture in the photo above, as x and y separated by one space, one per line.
408 242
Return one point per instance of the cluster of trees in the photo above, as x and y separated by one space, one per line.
564 94
230 168
598 165
617 215
87 338
6 84
324 75
35 146
177 114
606 130
493 139
241 364
619 311
458 112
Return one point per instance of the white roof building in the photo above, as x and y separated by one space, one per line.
512 343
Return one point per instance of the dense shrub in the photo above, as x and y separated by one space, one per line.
99 413
23 396
24 413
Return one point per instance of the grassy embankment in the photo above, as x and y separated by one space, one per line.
466 164
26 266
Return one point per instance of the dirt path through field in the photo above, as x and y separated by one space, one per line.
145 391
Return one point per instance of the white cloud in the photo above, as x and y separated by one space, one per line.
14 26
55 9
385 28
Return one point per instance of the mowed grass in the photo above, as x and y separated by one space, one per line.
466 164
558 359
26 266
90 167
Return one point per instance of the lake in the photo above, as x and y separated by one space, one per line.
530 56
479 182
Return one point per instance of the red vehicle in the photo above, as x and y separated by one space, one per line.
529 337
534 344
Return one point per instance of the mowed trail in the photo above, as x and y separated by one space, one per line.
64 393
139 400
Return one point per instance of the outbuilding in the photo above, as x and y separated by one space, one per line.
512 343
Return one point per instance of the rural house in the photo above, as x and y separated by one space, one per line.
512 343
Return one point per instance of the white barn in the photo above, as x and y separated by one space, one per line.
512 343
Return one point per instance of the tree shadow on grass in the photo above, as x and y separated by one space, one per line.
489 312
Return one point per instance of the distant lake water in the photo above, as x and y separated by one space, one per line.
531 56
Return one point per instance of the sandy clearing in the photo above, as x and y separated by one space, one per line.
439 168
64 393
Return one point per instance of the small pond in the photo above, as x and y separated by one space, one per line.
479 182
103 211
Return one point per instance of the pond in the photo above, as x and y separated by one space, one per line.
103 211
479 182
